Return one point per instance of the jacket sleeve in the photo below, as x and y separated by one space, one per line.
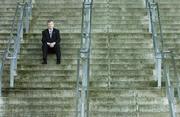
58 38
43 38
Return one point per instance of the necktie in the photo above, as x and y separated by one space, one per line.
50 33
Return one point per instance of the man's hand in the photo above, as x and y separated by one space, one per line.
48 43
51 44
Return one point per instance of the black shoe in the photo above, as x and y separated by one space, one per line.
44 62
58 62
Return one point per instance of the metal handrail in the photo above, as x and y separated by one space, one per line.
147 1
169 90
15 38
161 56
169 87
83 62
78 86
82 84
160 27
158 44
28 14
160 49
174 67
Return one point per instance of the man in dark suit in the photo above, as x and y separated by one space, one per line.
51 41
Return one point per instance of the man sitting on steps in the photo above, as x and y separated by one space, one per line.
51 41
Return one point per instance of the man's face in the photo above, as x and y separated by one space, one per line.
50 25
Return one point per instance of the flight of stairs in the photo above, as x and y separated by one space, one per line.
46 90
122 82
7 10
170 20
121 72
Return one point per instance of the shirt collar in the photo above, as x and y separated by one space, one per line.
50 30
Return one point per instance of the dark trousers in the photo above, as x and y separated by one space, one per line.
46 49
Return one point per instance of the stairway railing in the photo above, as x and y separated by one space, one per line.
28 14
162 57
172 80
82 109
13 45
156 30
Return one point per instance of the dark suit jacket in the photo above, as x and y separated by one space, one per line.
55 36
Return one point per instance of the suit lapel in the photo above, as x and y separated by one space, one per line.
53 33
47 32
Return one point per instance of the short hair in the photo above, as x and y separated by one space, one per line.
50 21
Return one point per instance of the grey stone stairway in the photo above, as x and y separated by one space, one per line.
121 76
7 9
170 20
169 12
122 82
46 90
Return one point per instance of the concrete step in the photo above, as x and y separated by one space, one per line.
97 61
132 108
94 51
151 92
35 107
131 100
43 93
66 78
96 56
50 60
39 114
46 85
128 114
93 66
53 5
72 36
93 84
75 37
68 71
94 77
44 101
